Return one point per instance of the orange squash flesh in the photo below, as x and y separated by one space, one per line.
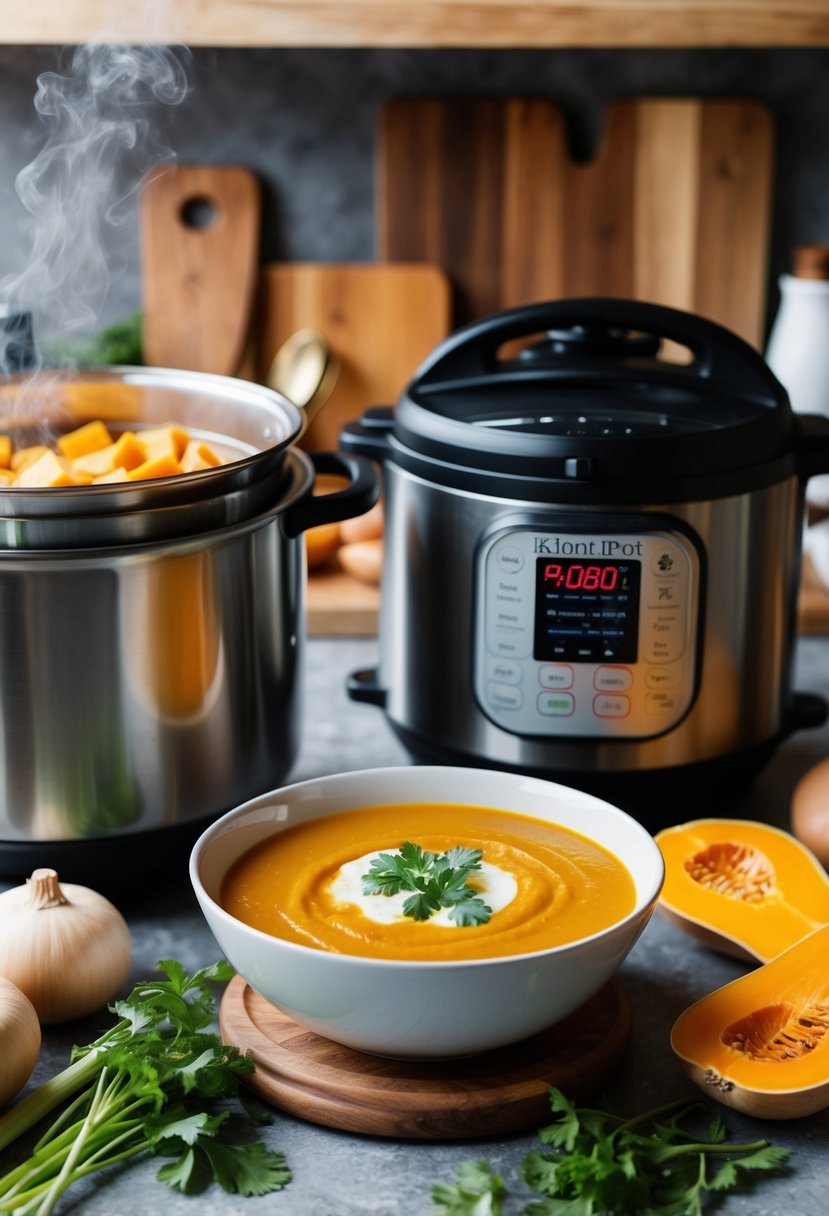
761 1043
744 888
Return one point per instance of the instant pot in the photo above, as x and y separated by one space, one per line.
593 522
152 633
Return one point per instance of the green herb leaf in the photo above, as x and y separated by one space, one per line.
644 1166
594 1163
178 1174
157 1081
477 1192
436 880
247 1169
470 911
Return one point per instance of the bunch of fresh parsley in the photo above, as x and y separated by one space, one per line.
436 880
158 1082
598 1164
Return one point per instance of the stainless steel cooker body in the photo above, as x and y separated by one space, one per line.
432 637
147 686
592 552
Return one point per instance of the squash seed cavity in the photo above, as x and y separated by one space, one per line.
736 871
779 1033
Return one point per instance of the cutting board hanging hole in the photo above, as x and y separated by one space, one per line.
199 212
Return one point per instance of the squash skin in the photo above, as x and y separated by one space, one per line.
784 1078
766 889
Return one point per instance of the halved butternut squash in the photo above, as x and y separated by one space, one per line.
741 887
761 1043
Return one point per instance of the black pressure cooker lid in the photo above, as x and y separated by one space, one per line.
590 392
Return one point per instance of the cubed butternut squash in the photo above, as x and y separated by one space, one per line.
48 470
5 451
126 453
197 456
169 440
26 456
90 437
114 475
159 466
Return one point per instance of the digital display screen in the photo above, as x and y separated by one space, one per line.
586 611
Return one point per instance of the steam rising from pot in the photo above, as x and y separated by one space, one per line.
100 141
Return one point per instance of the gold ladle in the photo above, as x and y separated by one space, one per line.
304 370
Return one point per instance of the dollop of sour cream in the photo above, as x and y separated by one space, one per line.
495 886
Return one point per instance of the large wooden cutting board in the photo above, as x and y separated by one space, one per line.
379 321
673 208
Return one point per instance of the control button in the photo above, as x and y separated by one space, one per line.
556 704
509 643
504 696
661 703
509 559
664 677
555 675
608 706
503 616
664 637
612 679
503 671
509 591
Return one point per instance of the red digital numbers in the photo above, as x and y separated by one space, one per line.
574 576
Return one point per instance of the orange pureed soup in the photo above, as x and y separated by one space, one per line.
546 884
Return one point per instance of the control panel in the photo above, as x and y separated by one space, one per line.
586 634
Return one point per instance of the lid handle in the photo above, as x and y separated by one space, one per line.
471 352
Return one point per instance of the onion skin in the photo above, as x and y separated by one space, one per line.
810 811
67 948
19 1040
368 526
363 559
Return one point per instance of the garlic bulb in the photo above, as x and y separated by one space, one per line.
68 949
19 1040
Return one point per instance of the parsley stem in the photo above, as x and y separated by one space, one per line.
31 1109
650 1116
678 1150
63 1179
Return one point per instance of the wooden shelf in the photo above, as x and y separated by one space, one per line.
424 23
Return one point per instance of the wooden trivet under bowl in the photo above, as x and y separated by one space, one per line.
494 1093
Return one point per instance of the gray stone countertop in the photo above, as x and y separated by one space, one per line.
340 1174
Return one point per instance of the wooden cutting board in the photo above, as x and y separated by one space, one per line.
497 1093
200 229
379 321
674 206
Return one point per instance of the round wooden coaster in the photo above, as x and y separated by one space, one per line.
495 1093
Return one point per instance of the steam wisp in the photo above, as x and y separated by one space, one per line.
100 142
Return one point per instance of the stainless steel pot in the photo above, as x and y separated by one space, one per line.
252 427
146 688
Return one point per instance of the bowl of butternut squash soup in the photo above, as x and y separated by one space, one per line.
426 911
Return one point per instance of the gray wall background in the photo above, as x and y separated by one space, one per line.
305 121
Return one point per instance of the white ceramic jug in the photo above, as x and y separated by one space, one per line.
798 347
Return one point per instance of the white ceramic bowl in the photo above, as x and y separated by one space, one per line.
424 1009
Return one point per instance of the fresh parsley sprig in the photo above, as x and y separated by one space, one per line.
158 1081
436 880
598 1164
477 1192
